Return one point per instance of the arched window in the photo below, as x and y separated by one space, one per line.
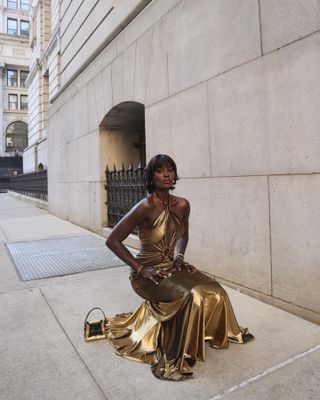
17 136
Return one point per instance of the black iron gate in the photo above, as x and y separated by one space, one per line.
125 187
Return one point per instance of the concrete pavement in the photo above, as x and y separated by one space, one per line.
43 354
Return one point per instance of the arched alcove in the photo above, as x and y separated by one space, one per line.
16 136
122 144
123 135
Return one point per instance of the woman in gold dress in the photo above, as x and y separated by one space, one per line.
183 306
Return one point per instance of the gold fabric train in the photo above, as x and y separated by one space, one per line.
170 328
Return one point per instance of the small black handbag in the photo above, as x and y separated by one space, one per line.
95 330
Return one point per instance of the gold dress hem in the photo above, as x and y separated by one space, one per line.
170 328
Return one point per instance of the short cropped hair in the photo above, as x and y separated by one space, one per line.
156 162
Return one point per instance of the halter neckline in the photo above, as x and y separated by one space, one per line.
165 204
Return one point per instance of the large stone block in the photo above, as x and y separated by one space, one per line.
58 199
123 75
265 115
144 21
81 166
208 37
43 154
229 228
98 209
81 112
79 203
283 21
99 35
99 98
295 232
143 51
157 86
178 126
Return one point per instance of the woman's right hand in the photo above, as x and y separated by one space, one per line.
153 273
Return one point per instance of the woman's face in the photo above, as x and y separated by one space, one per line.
164 177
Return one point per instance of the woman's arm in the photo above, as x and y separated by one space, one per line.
182 243
122 230
119 233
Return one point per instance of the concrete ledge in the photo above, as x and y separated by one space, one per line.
131 241
36 202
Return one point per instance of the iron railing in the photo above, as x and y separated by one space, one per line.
4 183
125 187
34 184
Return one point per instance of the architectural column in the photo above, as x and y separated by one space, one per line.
2 132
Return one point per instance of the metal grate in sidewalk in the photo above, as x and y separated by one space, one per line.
45 258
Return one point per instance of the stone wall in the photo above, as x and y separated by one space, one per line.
231 90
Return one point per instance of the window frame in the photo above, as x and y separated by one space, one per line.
21 22
24 3
10 102
8 79
27 73
23 96
12 1
9 19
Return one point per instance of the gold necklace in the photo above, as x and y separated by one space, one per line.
165 203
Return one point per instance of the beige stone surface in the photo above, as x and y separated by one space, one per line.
144 21
143 53
79 203
222 369
81 166
178 126
295 221
224 34
98 34
38 227
264 118
81 112
283 21
157 86
2 237
98 209
123 69
296 381
58 199
31 344
229 229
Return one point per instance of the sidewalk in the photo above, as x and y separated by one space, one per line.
43 354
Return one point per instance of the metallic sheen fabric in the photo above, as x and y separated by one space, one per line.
171 326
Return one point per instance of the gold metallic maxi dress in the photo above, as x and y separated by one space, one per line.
171 326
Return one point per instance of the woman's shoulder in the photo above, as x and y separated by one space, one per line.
180 202
144 205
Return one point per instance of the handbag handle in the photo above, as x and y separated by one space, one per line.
92 309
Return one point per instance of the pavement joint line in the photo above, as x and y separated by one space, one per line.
74 348
264 373
4 233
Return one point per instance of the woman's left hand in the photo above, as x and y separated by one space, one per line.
180 264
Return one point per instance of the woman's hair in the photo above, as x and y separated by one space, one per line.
159 161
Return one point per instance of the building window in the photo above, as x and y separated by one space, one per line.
17 136
23 78
12 3
12 28
24 5
23 102
12 77
24 28
13 101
